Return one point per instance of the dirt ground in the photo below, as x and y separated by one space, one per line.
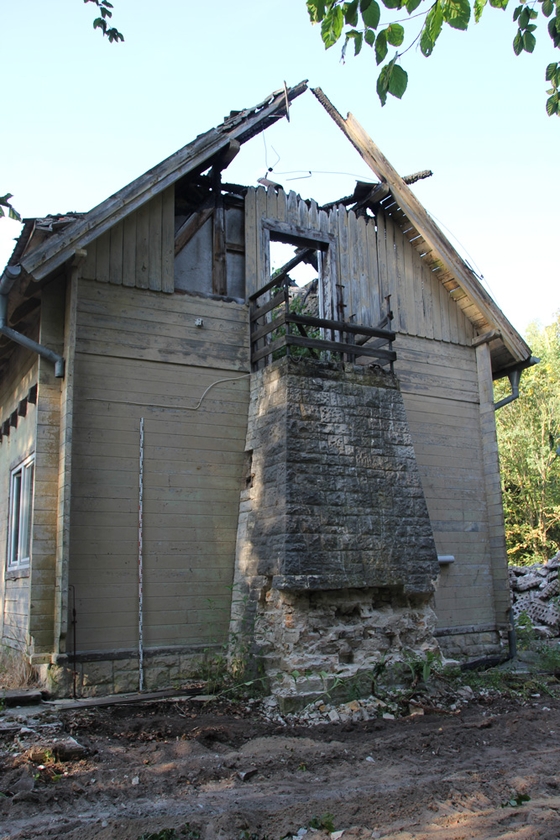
184 769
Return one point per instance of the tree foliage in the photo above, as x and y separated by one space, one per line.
6 208
102 22
529 441
359 22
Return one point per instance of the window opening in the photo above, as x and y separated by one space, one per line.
300 310
21 500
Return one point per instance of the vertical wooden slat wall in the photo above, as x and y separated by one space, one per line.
137 251
437 368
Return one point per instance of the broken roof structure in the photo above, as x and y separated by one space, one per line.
165 290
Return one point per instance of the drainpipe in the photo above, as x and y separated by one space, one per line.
9 277
514 377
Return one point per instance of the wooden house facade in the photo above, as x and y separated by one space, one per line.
122 470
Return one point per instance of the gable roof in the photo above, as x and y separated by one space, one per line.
207 148
431 243
219 145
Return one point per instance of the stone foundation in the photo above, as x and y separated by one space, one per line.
473 645
313 642
99 675
336 562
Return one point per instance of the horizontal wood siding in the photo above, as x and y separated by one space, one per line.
139 250
20 375
157 366
117 321
441 396
44 583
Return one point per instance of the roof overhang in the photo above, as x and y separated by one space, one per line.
207 149
507 347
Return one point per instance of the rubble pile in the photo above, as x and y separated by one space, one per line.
394 705
536 592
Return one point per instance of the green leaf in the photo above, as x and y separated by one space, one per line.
13 214
381 46
5 199
331 27
395 34
412 5
547 8
431 29
518 43
551 71
371 15
364 4
517 11
383 83
553 105
394 4
351 13
554 32
457 13
316 10
357 37
478 9
370 37
499 4
398 80
524 18
529 42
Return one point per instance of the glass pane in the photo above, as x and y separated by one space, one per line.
27 499
15 517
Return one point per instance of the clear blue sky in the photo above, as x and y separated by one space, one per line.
82 118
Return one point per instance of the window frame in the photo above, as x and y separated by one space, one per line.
20 515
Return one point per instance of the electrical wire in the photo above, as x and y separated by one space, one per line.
165 405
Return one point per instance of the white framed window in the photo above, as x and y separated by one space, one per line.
19 526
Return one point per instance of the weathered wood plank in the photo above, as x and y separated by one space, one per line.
129 251
103 258
143 247
116 255
168 240
89 266
154 246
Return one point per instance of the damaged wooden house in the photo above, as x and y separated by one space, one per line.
194 450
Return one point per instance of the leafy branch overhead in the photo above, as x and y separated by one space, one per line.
102 22
5 206
359 22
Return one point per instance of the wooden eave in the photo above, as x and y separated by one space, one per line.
202 152
476 304
420 229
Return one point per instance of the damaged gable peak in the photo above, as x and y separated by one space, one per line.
211 147
219 145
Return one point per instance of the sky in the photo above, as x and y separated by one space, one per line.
82 118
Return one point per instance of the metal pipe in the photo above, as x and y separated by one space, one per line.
9 277
514 377
44 352
141 560
512 636
7 280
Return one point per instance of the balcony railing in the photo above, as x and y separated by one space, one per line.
276 328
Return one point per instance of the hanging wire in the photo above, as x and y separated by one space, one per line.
471 262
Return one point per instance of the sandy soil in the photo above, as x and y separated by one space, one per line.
220 771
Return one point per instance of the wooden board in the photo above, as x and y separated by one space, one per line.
191 499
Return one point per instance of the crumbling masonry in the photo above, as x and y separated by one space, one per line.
336 561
